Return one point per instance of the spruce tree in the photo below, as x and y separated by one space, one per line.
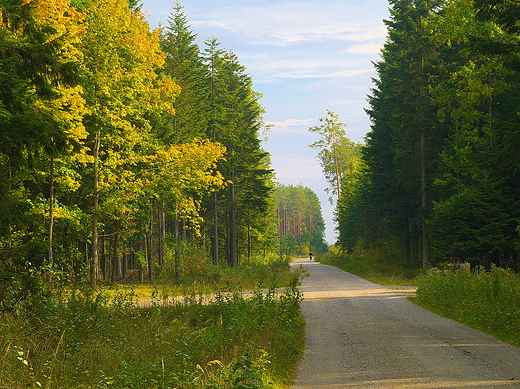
184 66
405 137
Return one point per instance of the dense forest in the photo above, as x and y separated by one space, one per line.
439 173
125 151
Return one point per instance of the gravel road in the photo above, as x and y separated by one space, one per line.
362 335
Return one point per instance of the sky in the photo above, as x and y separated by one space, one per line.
305 57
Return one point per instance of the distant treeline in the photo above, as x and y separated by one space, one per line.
301 227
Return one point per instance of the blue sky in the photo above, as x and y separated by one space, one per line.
305 56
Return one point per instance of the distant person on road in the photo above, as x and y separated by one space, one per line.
310 256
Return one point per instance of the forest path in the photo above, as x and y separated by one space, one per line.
363 335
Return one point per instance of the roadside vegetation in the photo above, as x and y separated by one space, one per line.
486 300
381 263
89 340
209 278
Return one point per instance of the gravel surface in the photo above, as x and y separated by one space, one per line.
362 335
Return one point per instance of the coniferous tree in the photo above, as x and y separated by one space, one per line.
235 120
406 137
184 66
474 216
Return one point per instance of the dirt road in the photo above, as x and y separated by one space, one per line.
362 335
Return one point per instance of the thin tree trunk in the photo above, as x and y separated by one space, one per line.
115 257
102 257
215 229
124 265
177 247
249 248
150 248
232 228
95 216
162 235
426 253
426 256
51 220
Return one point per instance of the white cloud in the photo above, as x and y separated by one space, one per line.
271 70
365 49
289 125
296 21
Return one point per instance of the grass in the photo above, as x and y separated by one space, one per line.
91 339
210 279
382 263
487 301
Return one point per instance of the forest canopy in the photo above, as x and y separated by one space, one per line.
440 165
123 148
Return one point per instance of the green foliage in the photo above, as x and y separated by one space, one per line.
440 171
88 340
486 300
102 156
184 66
381 262
240 211
300 222
339 156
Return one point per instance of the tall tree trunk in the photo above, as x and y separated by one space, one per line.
102 257
150 248
232 228
124 265
115 258
215 229
426 253
177 247
51 220
94 269
249 248
162 234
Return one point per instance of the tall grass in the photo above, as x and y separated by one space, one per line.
382 262
209 278
88 340
488 301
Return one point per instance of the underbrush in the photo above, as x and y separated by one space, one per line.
88 340
382 263
208 278
488 301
